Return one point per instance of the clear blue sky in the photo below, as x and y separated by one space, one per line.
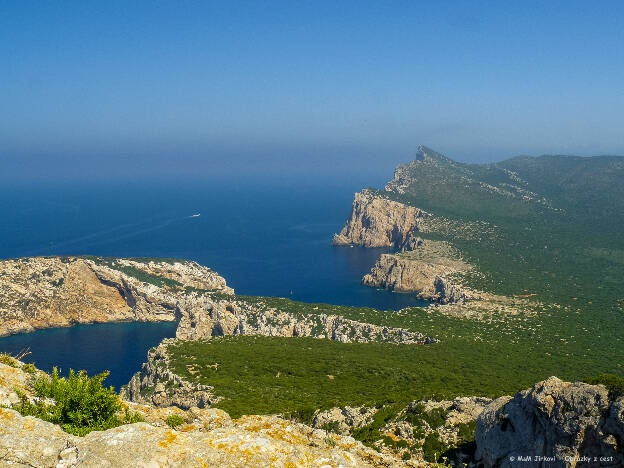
107 88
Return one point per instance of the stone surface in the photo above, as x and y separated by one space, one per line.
572 424
379 222
206 438
205 316
44 292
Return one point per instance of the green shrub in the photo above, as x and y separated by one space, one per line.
174 420
614 384
303 415
7 359
466 431
331 426
81 404
433 448
29 368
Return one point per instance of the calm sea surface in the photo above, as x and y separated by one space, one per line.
270 239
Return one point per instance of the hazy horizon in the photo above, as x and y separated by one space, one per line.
254 89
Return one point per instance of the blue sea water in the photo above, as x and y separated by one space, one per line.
269 238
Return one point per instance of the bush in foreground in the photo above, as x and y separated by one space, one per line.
80 403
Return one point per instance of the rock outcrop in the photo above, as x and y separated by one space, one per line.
344 420
554 424
423 270
205 438
45 292
376 221
205 316
155 384
449 423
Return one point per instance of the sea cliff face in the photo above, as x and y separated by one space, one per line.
378 222
43 292
403 273
422 267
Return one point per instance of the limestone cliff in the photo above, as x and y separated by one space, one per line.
376 221
422 270
47 292
208 315
155 384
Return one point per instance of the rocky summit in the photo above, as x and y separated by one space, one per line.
566 424
203 438
555 424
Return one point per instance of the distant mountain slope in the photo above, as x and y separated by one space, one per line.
522 186
547 227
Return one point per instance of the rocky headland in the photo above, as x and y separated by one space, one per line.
44 292
379 222
435 270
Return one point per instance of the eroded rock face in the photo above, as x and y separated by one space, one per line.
423 270
202 317
378 222
45 292
573 424
344 420
157 385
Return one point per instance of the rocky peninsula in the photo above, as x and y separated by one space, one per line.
44 292
433 269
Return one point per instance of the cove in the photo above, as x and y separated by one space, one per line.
120 348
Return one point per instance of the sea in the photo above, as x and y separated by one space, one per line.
268 237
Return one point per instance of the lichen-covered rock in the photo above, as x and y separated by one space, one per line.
30 442
344 420
570 424
45 292
376 221
258 441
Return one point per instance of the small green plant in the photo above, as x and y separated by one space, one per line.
303 415
8 360
29 368
81 403
466 431
332 426
174 420
433 447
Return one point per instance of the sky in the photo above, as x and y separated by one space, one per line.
92 89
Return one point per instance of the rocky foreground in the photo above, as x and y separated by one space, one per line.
204 438
566 424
